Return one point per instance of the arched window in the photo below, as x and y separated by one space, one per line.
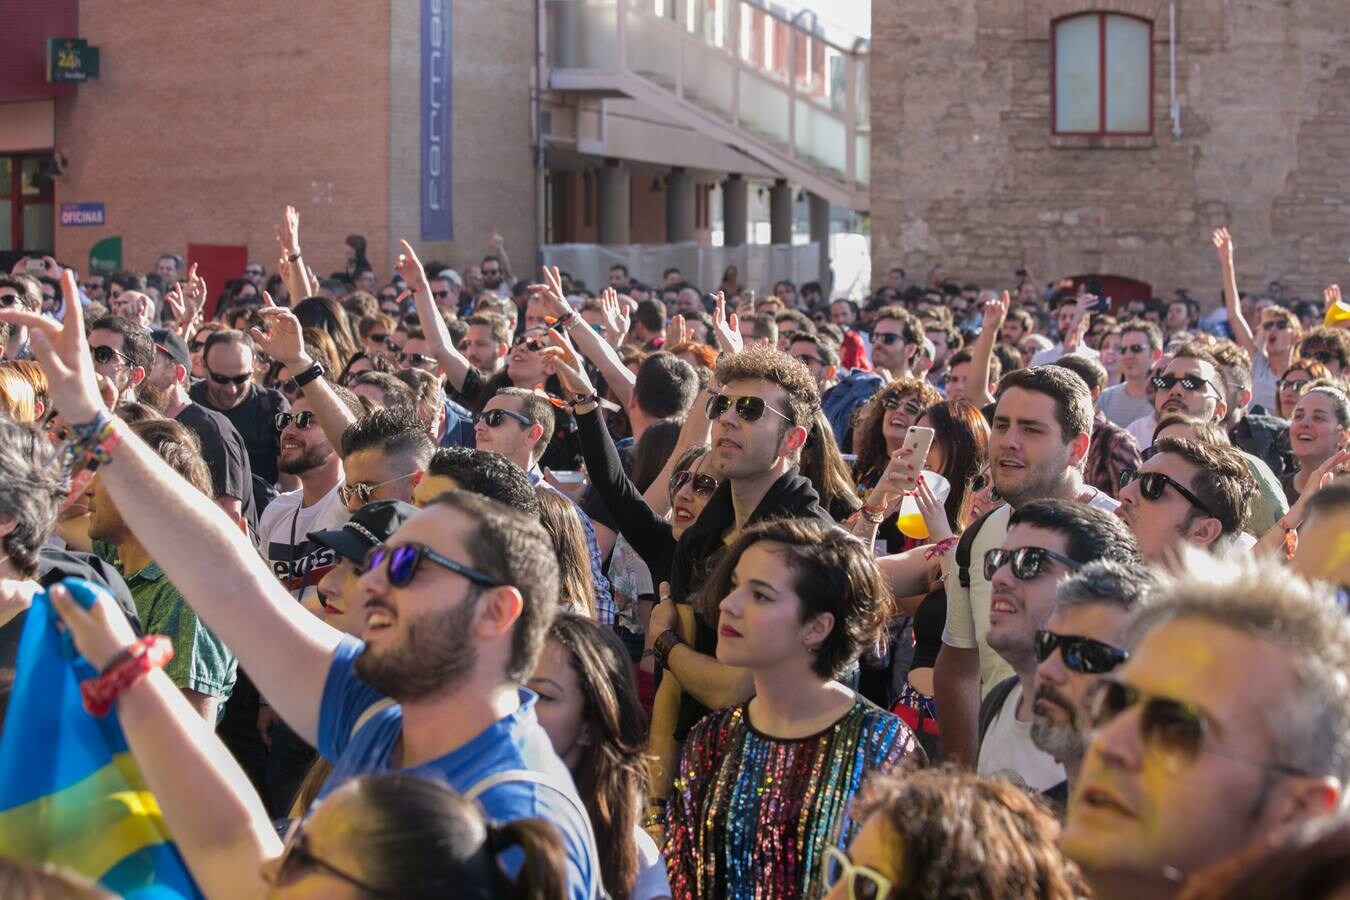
1101 76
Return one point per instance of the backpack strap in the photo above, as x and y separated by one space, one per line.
965 546
990 706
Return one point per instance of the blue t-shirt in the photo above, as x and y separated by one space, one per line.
514 742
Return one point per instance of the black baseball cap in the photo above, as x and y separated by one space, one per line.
172 345
372 524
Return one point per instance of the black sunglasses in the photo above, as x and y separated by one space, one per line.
289 387
197 346
1084 655
1027 562
229 379
532 344
378 337
1152 485
1323 356
440 295
492 271
807 359
296 856
415 359
1174 732
302 420
1294 384
749 409
404 559
493 418
1189 382
1275 324
105 354
1134 348
704 485
887 338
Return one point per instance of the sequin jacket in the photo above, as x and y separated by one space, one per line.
751 815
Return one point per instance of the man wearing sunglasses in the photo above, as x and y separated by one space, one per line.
1037 448
1140 347
228 388
1228 723
457 610
1192 383
1188 492
384 454
123 352
820 357
1047 542
1329 346
897 339
1083 640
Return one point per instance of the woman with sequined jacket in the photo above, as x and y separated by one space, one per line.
764 788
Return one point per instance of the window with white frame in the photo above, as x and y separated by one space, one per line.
1101 78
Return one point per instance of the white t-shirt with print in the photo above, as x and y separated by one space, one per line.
1008 753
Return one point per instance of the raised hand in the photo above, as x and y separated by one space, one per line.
195 296
550 293
284 338
63 351
561 359
173 299
994 313
496 241
899 478
1223 242
678 329
1331 295
289 236
616 318
100 631
727 331
410 267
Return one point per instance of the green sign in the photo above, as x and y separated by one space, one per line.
70 60
106 256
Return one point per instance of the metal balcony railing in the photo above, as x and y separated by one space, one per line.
786 83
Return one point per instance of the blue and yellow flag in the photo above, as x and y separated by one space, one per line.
70 792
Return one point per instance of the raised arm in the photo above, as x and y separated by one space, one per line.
692 433
209 804
284 341
216 568
498 245
591 345
982 351
292 263
455 364
1242 331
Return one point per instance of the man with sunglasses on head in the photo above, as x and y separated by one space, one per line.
1047 542
123 353
1187 492
228 388
1228 723
1083 639
1037 449
1140 346
458 606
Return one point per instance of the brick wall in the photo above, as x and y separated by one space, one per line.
202 127
965 170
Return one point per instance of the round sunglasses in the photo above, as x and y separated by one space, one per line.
1174 732
302 420
704 485
1084 655
404 560
1027 562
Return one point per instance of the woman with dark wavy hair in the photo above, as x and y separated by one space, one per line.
589 706
960 451
765 787
946 834
883 423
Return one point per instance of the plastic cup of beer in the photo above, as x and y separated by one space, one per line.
910 520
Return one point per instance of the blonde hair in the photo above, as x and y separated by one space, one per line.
17 396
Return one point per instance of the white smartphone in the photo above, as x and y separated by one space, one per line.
918 441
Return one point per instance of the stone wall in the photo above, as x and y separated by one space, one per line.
966 172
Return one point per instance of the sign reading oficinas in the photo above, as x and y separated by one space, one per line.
73 215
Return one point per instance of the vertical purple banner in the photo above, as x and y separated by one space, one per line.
437 218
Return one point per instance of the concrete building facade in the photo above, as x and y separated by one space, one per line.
968 170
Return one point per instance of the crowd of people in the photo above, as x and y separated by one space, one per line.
488 587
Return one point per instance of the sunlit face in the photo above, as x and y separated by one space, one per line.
1291 389
524 366
688 502
956 381
1110 351
876 846
118 369
167 269
562 703
340 598
688 302
1205 403
1012 332
744 449
1160 525
1178 317
889 350
759 621
1028 453
1064 317
1136 354
390 477
898 413
326 836
302 449
483 351
511 438
842 314
1278 334
1131 817
1017 608
1314 431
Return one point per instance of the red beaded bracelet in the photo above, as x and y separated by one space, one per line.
150 652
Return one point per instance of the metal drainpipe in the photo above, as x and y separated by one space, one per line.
1172 70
